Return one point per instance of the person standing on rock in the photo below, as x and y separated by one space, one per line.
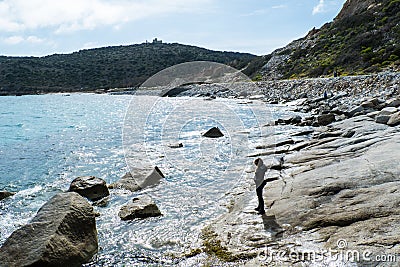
260 183
261 169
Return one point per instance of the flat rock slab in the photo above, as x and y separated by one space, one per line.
63 233
90 187
141 207
338 188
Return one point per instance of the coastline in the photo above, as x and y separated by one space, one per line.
338 186
274 90
304 203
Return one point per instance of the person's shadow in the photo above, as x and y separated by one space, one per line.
272 226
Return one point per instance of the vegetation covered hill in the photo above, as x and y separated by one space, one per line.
102 68
363 38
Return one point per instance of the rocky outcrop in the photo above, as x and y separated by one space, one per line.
90 187
5 194
141 207
140 179
323 51
63 233
342 186
214 132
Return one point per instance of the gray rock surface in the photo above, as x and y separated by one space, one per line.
63 233
140 179
90 187
382 118
325 119
394 119
387 111
334 189
141 207
393 102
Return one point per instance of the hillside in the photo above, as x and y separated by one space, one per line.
363 38
102 68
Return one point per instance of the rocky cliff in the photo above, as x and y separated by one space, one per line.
363 38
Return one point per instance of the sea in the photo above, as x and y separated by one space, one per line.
48 140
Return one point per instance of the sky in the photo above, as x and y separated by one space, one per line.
45 27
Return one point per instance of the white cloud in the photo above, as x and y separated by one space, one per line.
74 15
279 6
320 8
17 39
13 40
34 40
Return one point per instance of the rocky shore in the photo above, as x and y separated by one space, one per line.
337 199
337 191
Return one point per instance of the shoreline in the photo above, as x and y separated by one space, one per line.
274 90
303 207
332 187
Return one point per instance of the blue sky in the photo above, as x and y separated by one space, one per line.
44 27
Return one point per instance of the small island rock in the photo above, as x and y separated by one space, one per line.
90 187
142 207
214 132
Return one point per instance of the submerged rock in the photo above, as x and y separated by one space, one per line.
5 194
178 145
90 187
63 233
214 132
140 179
142 207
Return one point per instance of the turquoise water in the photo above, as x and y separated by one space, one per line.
46 141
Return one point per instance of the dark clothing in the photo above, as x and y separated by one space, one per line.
259 192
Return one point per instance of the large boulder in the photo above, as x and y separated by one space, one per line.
214 132
5 194
138 179
394 119
325 119
142 207
63 233
384 115
90 187
383 119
